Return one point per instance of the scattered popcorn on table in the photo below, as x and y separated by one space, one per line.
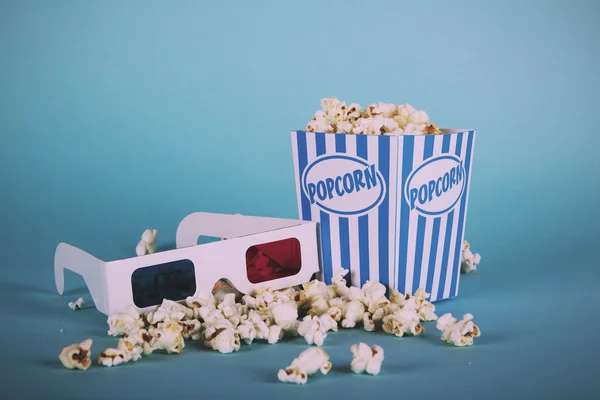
77 304
77 355
247 330
309 362
225 318
147 244
167 336
418 303
425 309
382 312
191 329
285 314
201 301
226 341
112 357
275 334
145 340
169 310
222 336
339 283
130 346
125 322
292 375
352 313
262 329
328 323
374 296
458 333
368 322
312 330
366 359
469 261
377 119
403 322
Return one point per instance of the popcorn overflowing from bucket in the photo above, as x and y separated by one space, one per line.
377 119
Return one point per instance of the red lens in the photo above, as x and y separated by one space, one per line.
274 260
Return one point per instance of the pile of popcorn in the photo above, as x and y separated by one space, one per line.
311 311
377 119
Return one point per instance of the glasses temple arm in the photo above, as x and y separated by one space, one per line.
84 264
199 224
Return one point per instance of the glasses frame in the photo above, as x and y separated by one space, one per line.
109 282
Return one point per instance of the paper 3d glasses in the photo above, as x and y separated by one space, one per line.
259 252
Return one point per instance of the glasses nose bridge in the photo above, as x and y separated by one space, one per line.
206 275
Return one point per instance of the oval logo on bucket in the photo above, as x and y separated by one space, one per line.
435 186
342 184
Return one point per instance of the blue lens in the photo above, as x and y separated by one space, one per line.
174 280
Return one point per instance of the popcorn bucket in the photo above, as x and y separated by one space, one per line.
390 208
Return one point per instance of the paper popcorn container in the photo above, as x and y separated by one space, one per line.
390 208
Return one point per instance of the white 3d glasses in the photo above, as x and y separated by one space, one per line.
259 252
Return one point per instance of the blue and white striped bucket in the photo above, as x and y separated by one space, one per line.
390 208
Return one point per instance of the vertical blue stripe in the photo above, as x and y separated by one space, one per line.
446 144
446 266
407 166
428 148
450 264
459 139
340 143
461 219
433 254
436 238
445 255
320 139
384 211
324 223
345 243
340 147
363 221
326 247
302 162
421 224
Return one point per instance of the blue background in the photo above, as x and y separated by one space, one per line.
119 116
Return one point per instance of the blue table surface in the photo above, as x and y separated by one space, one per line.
537 340
117 118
